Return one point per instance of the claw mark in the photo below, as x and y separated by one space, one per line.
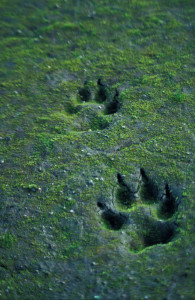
124 194
169 204
85 93
102 91
148 190
114 105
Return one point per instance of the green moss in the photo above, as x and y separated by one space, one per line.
30 187
50 140
59 26
7 241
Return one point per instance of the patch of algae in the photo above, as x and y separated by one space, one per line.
59 155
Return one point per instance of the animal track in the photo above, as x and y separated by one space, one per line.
147 216
94 106
113 220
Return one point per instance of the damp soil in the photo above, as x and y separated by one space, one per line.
96 149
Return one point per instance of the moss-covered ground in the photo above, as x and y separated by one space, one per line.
60 155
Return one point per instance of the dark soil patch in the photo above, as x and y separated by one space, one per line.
157 232
148 190
169 204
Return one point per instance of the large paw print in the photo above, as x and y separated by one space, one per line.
146 214
93 106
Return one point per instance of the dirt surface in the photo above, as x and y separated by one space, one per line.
96 150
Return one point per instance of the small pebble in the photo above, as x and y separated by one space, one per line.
72 211
130 278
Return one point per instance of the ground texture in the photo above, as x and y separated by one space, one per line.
96 149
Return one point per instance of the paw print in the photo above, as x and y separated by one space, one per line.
145 214
93 106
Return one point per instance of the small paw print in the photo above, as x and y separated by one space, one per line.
93 106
